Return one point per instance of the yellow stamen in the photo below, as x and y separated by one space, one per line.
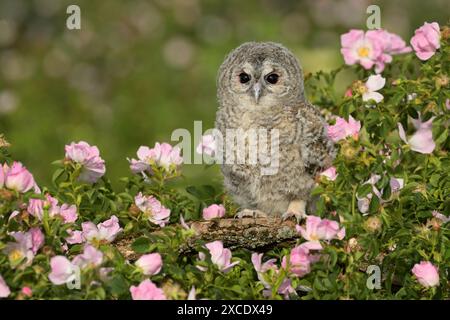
363 52
313 237
15 255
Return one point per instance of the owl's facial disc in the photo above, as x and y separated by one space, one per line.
260 82
268 82
255 78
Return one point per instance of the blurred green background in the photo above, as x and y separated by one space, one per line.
139 69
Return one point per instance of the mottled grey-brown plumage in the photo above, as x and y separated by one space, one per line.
303 143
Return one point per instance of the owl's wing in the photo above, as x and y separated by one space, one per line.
316 148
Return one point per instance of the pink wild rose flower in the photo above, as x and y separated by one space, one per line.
144 159
36 208
213 211
317 229
348 93
390 43
147 290
396 184
153 209
440 216
75 236
343 129
162 155
358 48
373 84
330 173
18 178
26 291
262 270
62 270
300 259
37 239
422 140
207 145
262 267
220 256
25 247
91 257
150 264
364 202
371 48
4 289
102 232
166 156
93 166
426 273
68 213
426 40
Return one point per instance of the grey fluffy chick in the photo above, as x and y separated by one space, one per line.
260 85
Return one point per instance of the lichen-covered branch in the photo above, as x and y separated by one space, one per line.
249 233
246 232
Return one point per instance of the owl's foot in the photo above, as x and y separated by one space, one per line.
295 209
250 213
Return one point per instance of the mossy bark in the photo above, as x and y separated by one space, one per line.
259 234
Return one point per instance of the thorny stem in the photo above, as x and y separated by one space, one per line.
45 222
353 200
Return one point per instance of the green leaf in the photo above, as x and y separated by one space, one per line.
141 245
442 137
333 257
58 172
204 192
193 191
364 190
318 285
118 285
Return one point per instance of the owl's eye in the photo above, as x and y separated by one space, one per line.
244 77
272 78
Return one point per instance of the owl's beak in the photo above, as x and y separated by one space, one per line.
257 91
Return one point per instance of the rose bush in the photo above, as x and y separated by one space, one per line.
385 202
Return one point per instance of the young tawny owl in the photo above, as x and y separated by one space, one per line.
260 86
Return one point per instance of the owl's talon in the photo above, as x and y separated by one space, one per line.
297 209
249 213
299 215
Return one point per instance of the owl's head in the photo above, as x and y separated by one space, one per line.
260 74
